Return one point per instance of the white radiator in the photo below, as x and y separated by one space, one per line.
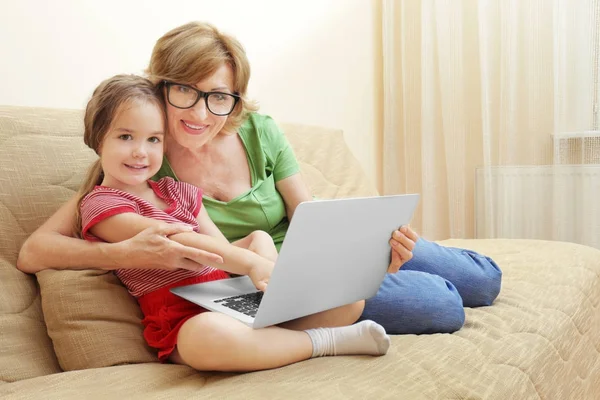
555 202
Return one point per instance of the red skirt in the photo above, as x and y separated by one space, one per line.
165 313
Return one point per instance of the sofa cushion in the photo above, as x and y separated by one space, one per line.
25 348
90 317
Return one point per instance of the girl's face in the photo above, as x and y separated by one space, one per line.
193 127
132 149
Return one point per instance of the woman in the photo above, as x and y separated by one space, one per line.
251 181
124 124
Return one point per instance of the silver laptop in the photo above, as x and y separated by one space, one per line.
335 252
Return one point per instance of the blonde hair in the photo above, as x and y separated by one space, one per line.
105 104
192 52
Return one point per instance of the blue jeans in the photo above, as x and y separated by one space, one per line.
429 292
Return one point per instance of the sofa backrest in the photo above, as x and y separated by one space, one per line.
328 166
42 160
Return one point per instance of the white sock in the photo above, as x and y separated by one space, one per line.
365 337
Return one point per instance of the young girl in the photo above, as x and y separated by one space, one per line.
125 125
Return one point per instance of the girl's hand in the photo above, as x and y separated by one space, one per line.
152 249
260 274
402 242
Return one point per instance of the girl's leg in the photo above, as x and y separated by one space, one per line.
410 302
259 242
476 277
216 342
339 316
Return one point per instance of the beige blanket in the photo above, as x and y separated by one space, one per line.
539 340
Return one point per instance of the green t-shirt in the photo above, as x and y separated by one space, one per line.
271 159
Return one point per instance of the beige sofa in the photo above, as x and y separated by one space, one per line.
76 334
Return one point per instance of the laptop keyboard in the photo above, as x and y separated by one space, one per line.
245 303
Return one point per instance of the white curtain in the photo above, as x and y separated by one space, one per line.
492 114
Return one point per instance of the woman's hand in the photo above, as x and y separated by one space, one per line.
402 242
152 249
260 273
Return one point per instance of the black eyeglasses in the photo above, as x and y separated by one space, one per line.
184 96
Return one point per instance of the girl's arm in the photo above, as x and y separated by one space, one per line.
52 245
258 242
208 227
120 227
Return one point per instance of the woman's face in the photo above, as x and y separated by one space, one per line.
193 127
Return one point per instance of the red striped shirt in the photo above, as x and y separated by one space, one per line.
184 202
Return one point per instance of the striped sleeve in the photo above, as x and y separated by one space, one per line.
99 205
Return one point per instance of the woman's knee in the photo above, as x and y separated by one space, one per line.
444 313
411 302
477 277
450 310
482 286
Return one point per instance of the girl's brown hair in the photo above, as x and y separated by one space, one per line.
193 52
107 101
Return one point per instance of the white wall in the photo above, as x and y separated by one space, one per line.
313 61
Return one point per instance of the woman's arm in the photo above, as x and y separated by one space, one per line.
52 246
294 191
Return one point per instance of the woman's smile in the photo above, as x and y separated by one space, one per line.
193 129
